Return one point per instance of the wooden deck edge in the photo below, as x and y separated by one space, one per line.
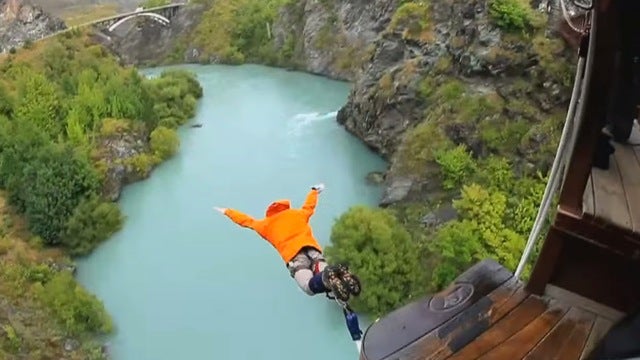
582 302
599 233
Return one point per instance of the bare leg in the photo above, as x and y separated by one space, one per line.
302 277
309 269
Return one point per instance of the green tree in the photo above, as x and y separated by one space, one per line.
496 212
236 31
53 184
164 142
514 15
39 102
91 222
75 131
174 94
380 251
457 165
6 101
480 233
20 142
75 309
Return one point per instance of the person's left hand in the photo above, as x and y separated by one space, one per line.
318 187
219 209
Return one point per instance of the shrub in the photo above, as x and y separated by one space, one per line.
92 221
457 165
380 251
513 15
412 18
164 142
75 309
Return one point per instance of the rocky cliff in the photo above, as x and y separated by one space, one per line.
508 75
525 77
493 75
331 38
21 22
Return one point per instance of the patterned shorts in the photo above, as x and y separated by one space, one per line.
307 258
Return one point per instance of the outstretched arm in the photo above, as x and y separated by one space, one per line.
311 201
241 218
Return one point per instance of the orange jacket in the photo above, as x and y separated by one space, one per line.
287 229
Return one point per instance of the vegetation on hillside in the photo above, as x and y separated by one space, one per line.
153 3
412 18
487 151
515 15
82 14
267 32
398 260
63 104
380 250
239 31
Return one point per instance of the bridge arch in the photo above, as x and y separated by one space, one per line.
159 18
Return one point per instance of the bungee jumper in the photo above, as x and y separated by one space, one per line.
288 231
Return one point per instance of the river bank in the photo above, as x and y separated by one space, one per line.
73 122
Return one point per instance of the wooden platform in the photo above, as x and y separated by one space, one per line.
487 314
613 196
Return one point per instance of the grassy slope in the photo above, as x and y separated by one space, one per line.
80 14
26 327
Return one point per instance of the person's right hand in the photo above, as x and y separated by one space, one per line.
318 187
219 209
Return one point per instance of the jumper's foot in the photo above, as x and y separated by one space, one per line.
351 281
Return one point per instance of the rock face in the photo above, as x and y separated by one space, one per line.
331 38
463 37
21 22
115 150
464 45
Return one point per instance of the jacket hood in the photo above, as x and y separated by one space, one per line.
278 206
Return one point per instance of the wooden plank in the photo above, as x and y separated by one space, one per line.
573 299
629 168
513 322
599 330
588 205
518 345
609 198
459 334
466 326
558 339
404 329
602 235
634 138
595 273
575 344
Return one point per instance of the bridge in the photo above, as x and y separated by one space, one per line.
161 14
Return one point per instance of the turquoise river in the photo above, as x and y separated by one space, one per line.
183 282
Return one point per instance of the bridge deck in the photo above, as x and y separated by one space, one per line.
494 318
613 195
